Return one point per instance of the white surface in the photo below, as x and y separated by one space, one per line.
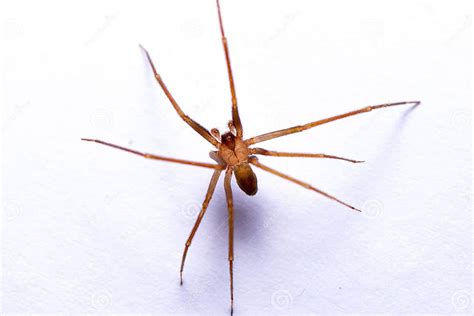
89 229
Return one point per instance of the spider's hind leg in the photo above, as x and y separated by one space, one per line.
207 199
230 206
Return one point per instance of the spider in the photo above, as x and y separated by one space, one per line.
234 154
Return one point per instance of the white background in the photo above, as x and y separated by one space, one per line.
89 229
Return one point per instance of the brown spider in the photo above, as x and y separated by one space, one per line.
234 154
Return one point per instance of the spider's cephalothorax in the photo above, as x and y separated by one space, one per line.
235 153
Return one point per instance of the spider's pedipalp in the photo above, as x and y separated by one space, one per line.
215 132
232 129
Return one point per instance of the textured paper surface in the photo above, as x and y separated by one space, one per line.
89 229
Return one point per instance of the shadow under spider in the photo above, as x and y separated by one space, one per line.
249 218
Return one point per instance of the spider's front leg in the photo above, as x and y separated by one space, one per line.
195 125
235 110
300 128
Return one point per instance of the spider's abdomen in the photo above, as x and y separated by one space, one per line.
246 179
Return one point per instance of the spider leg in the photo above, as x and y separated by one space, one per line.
235 110
300 128
207 199
215 156
261 151
195 125
253 160
230 206
150 156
